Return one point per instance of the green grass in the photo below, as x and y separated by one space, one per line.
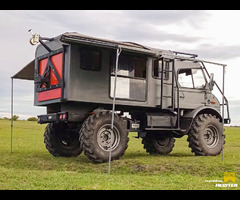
30 166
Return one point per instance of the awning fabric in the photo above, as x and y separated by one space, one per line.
26 73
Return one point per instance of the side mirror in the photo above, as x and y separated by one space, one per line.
211 82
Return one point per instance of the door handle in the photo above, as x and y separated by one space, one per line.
182 95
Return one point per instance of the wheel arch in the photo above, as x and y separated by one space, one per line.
188 118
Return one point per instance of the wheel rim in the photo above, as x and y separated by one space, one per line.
69 139
108 139
163 142
211 136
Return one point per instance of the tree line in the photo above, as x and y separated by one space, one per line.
16 117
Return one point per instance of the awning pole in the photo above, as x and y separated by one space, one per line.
11 111
113 107
223 107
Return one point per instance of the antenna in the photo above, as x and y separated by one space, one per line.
30 30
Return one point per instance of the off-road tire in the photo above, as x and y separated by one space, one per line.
205 136
60 142
95 129
158 146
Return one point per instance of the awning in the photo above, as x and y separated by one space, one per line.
26 73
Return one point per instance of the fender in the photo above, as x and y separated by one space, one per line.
187 118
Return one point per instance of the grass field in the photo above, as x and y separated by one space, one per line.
30 166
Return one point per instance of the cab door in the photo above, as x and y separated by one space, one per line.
192 92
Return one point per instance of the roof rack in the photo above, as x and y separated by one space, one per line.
188 54
136 44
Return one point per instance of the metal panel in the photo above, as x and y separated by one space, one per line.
92 86
161 120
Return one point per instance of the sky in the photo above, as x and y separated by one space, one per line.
212 34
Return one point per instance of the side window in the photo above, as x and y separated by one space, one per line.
185 78
139 68
130 66
191 78
157 69
125 66
131 81
198 78
90 59
157 65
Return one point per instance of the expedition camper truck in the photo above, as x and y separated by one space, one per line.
160 94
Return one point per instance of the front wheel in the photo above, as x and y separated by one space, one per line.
206 136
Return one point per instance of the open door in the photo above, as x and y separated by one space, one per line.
49 76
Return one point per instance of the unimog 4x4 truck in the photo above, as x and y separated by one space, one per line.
160 94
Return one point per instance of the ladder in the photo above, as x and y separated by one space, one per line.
170 72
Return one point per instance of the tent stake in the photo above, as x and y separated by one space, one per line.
11 111
113 107
223 107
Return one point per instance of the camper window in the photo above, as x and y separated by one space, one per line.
129 66
90 59
131 82
157 69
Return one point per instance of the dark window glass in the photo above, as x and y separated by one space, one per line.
157 69
90 59
130 66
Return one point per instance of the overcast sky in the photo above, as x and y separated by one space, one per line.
213 35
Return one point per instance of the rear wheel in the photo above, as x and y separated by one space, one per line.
61 140
98 139
158 146
206 136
